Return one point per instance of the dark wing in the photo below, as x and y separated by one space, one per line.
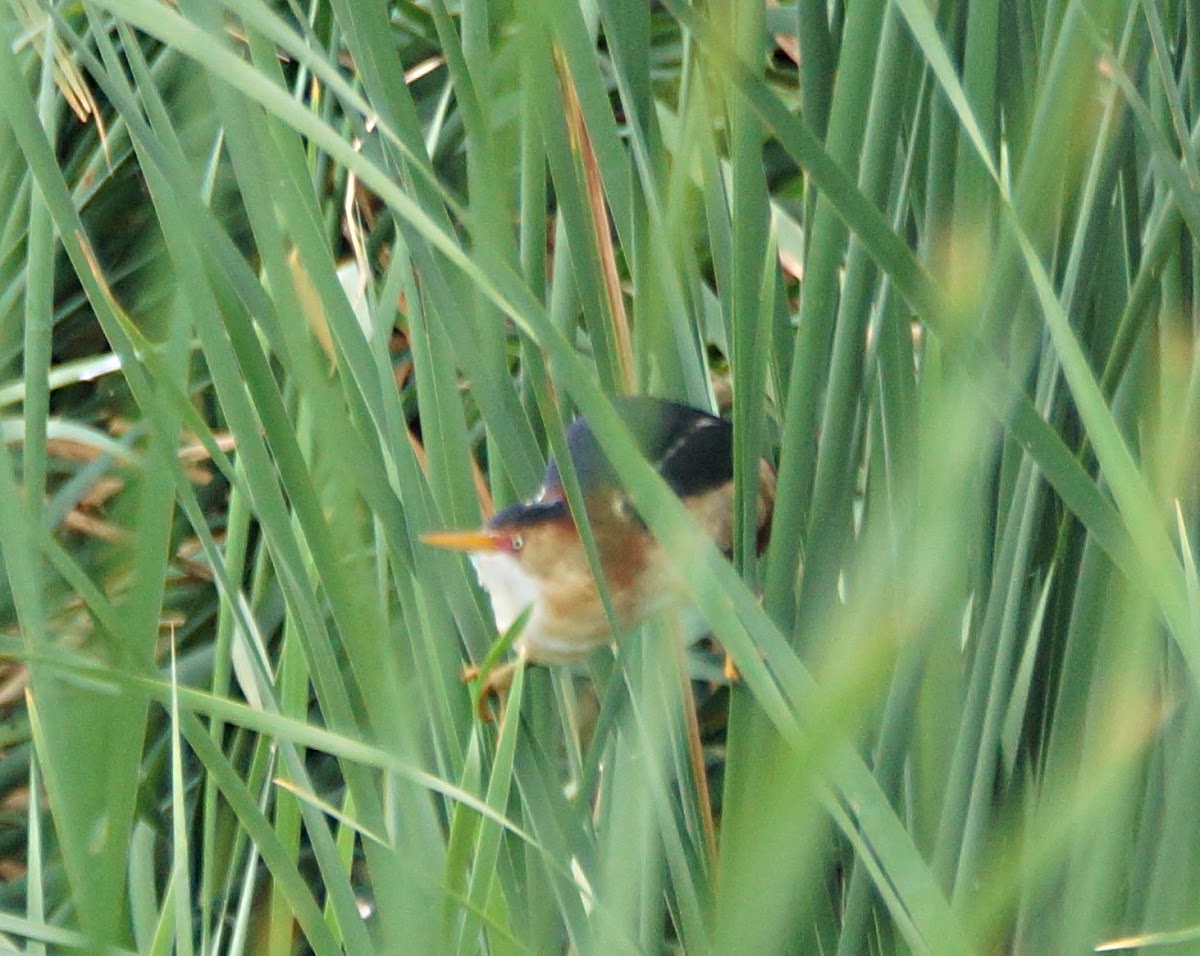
692 449
698 452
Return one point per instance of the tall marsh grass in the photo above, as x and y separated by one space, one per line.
284 286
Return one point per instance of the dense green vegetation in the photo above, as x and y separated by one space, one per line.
284 286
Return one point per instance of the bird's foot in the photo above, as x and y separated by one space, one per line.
729 667
495 683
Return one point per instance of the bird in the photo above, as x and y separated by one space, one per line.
530 558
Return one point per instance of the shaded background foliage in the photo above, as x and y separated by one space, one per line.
284 286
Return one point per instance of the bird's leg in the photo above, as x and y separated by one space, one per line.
493 683
695 747
729 666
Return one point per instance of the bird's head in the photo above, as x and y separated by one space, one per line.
529 535
530 550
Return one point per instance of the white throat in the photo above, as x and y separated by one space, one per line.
509 587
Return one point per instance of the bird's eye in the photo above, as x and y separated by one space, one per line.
516 542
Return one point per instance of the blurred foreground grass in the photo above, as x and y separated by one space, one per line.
284 286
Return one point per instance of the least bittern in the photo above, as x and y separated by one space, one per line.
530 555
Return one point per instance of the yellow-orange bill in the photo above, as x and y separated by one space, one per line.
463 540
